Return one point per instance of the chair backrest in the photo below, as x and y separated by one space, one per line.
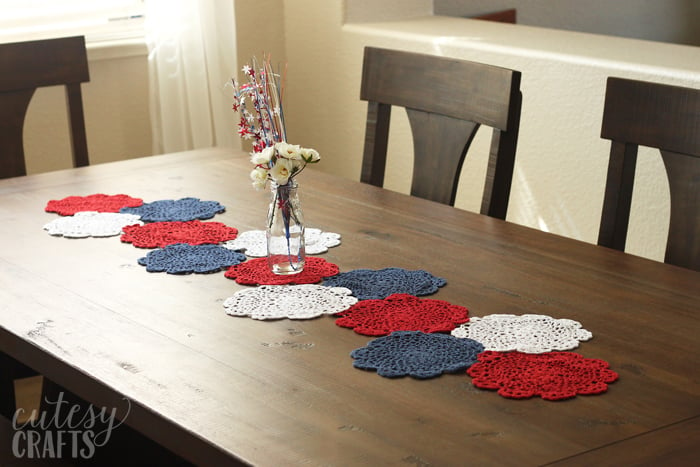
665 117
446 101
26 66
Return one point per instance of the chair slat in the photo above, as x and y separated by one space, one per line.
376 141
456 88
49 62
13 108
652 114
683 238
435 134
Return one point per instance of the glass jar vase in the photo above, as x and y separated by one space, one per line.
286 252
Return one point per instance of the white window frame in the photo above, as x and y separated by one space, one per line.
97 20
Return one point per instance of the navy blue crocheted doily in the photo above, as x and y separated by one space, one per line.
367 284
181 258
170 210
417 354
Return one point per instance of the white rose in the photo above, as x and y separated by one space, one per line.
310 155
263 157
281 171
289 151
259 178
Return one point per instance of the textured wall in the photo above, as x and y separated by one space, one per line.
260 29
673 21
359 11
116 113
561 159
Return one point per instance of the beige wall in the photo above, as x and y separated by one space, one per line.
252 40
561 161
674 21
358 11
116 100
116 112
260 29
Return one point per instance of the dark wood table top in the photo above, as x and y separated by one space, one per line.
216 389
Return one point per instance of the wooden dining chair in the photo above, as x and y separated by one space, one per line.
446 100
667 118
26 66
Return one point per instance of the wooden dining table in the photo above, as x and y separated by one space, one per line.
223 390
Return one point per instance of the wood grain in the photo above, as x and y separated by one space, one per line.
219 390
675 444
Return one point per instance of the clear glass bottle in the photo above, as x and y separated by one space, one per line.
286 252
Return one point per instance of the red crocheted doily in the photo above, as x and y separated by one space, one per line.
257 272
402 312
161 234
553 375
97 202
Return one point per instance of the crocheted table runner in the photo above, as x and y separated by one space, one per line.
528 333
402 312
160 234
416 354
185 209
254 242
522 357
181 258
369 284
91 224
552 376
257 272
289 301
98 202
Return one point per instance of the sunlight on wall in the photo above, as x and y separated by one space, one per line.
561 161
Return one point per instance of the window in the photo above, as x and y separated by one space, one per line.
97 20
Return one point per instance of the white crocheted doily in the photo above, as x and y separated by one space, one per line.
318 242
526 333
254 242
289 301
91 224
